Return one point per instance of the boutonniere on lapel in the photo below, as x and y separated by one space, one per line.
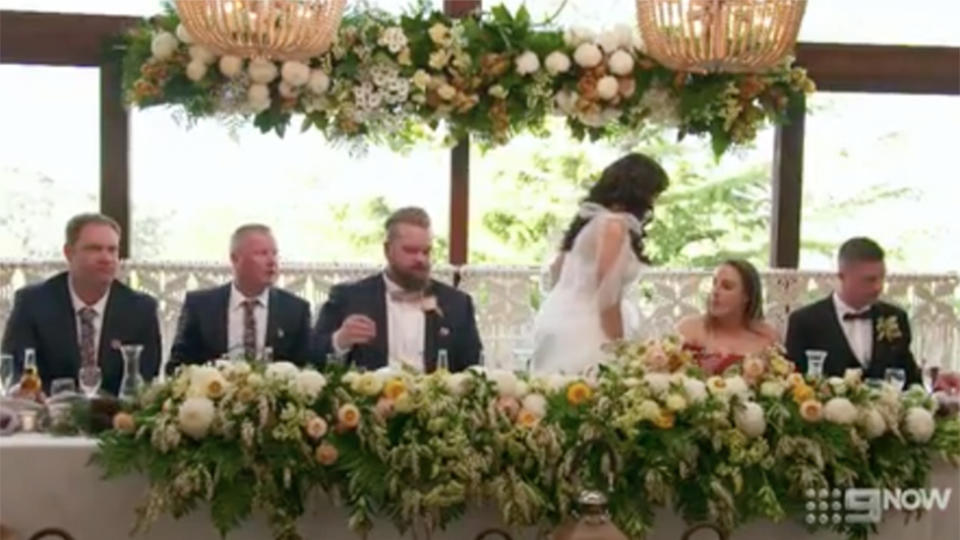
888 329
429 305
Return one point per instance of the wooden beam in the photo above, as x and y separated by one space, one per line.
460 167
882 68
57 39
115 152
787 190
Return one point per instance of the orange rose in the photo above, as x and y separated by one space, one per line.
578 393
326 454
124 422
509 406
665 420
527 418
348 416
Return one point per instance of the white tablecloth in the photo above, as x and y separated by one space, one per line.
45 482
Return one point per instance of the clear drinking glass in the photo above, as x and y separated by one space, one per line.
443 360
815 362
63 385
895 377
132 380
90 378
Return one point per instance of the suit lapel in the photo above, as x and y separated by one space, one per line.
69 318
222 318
430 326
839 337
110 332
378 306
273 312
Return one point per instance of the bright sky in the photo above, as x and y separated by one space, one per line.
892 140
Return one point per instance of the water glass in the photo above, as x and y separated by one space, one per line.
815 362
443 361
90 378
62 386
895 377
6 373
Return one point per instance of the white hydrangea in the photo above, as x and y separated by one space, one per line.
659 383
281 370
163 45
872 423
749 419
505 381
695 388
919 424
309 383
587 55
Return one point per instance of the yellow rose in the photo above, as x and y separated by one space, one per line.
795 379
802 393
394 389
578 393
665 420
676 402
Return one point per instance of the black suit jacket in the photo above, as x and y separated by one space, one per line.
455 330
816 327
202 327
43 319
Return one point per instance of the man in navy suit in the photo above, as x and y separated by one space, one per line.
855 328
400 315
82 316
247 315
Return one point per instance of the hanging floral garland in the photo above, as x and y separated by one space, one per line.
491 75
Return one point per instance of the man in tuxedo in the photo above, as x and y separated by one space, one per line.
247 315
82 316
401 314
852 325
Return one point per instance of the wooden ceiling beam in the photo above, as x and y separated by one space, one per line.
57 39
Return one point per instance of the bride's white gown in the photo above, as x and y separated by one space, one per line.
567 333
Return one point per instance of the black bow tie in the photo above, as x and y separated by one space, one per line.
854 316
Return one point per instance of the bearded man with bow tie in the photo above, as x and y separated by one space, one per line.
855 328
400 316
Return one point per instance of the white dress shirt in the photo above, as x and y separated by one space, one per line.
99 308
235 320
859 332
406 324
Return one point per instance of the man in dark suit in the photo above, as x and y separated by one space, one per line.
400 315
81 317
852 325
246 316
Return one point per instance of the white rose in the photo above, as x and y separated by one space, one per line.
163 46
368 384
279 370
505 381
206 381
649 410
527 63
840 411
736 386
349 377
853 376
659 383
537 404
319 82
446 92
675 402
576 35
254 379
262 71
199 53
183 34
918 424
195 416
196 70
771 389
749 419
838 385
696 390
621 63
872 423
608 87
309 383
295 73
609 41
588 55
458 384
557 62
231 66
522 388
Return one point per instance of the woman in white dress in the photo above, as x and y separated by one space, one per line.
600 256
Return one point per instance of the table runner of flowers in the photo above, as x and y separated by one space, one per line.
418 449
396 78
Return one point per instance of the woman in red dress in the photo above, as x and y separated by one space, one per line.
733 326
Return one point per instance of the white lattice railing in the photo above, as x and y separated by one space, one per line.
506 297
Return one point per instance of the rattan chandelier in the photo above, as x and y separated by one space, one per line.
720 35
271 29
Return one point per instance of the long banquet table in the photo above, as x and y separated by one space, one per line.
46 482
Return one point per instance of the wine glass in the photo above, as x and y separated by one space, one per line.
6 373
63 385
895 377
443 361
90 378
815 361
930 374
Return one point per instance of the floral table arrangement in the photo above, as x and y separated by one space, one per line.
419 448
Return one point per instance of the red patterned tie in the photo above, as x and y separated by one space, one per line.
249 328
88 351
